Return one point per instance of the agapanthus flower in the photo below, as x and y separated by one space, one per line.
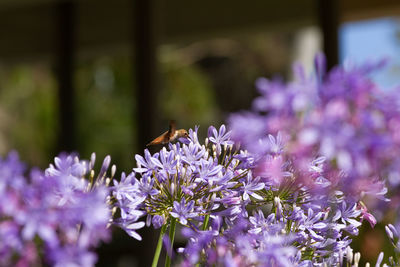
301 162
321 144
66 212
242 247
300 209
182 181
341 115
183 211
250 186
218 138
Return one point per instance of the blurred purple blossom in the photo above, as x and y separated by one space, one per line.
342 115
68 213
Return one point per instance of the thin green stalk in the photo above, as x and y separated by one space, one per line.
159 246
205 222
171 238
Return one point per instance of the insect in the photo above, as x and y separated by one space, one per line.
169 136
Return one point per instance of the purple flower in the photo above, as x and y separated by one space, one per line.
248 136
262 225
52 207
207 169
146 186
168 161
126 188
72 256
303 206
148 163
250 185
11 172
347 215
67 165
218 138
341 114
130 227
276 250
192 153
273 170
193 136
158 221
312 224
236 241
319 143
182 181
197 240
183 211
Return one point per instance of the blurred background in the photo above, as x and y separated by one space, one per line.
107 76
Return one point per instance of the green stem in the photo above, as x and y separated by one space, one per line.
159 246
171 239
205 223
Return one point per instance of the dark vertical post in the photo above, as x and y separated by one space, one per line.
64 67
145 70
328 12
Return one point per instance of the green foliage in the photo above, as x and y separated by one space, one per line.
187 96
28 112
105 108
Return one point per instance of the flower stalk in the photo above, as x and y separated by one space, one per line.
205 222
159 246
172 228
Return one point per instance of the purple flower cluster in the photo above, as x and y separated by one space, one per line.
289 186
186 182
341 115
293 223
313 151
54 217
238 246
300 218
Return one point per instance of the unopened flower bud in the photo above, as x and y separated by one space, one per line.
357 257
278 207
349 254
104 166
158 221
389 232
92 160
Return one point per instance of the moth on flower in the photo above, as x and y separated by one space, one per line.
169 136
